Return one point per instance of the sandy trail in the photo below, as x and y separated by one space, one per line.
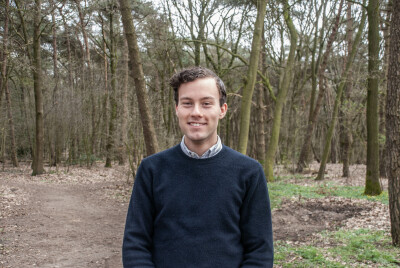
63 225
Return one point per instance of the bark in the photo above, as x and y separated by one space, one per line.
346 138
37 84
124 108
281 97
90 76
306 148
136 71
113 103
393 124
4 85
372 185
385 27
332 124
315 61
260 136
247 95
56 97
106 98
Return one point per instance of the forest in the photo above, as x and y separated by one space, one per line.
313 94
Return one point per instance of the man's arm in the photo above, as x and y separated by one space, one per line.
137 243
256 225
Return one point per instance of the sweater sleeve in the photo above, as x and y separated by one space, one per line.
256 224
137 242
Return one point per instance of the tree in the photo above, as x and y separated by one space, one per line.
37 78
113 102
342 84
281 97
346 136
305 150
393 124
245 109
4 86
136 70
372 185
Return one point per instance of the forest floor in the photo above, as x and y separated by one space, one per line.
74 217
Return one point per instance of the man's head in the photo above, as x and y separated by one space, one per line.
200 98
192 74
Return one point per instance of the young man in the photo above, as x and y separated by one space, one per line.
199 203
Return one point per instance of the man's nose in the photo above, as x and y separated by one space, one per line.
196 111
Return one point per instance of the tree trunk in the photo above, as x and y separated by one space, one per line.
385 27
56 96
90 80
332 124
124 108
393 124
281 97
306 148
37 84
4 85
113 103
346 138
372 186
260 148
245 109
138 76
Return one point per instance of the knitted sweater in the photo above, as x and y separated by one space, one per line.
187 212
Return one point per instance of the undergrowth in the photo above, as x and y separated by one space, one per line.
345 248
281 189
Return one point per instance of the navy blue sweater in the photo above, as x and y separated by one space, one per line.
187 212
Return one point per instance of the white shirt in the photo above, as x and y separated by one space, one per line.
214 150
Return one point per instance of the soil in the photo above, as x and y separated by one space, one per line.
75 217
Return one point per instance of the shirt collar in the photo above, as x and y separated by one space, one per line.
214 150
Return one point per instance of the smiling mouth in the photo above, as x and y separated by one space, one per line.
196 124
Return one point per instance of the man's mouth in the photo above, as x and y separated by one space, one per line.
196 124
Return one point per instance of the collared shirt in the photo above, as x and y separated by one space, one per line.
214 150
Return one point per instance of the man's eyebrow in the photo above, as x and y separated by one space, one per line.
204 98
208 98
185 98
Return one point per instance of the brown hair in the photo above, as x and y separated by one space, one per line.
193 73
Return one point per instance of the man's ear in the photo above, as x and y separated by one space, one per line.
224 109
176 110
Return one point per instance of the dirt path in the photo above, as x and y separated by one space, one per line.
62 225
75 217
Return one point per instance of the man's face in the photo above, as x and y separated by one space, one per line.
198 111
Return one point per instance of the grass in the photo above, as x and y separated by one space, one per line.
366 245
346 248
281 189
353 248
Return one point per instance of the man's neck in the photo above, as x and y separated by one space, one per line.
201 147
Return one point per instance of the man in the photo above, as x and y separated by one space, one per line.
199 203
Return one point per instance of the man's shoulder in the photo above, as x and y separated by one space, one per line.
167 154
241 159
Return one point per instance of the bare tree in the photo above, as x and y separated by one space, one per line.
37 84
281 97
372 185
332 124
306 148
4 86
136 70
245 109
393 124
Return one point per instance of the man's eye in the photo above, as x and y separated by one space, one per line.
207 103
186 103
